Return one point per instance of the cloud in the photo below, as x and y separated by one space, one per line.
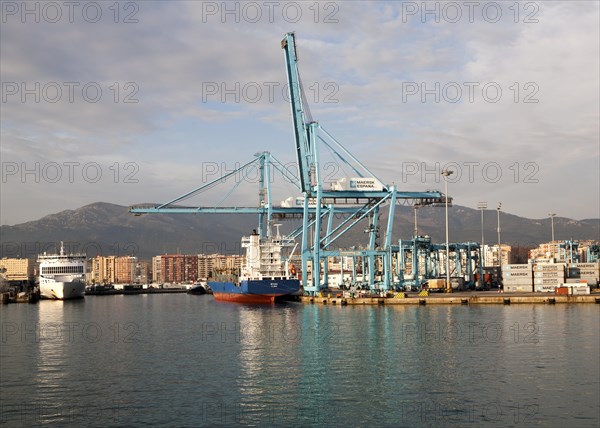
358 62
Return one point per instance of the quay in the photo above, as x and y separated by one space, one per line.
457 298
15 296
112 291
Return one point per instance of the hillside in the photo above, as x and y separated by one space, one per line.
108 229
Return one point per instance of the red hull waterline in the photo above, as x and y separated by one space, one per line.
244 298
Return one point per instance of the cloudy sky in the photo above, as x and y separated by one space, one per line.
143 101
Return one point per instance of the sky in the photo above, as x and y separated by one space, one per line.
142 101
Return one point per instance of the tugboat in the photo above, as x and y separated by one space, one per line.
198 289
264 274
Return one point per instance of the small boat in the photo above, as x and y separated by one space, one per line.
101 290
197 289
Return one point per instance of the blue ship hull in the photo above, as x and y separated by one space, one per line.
254 291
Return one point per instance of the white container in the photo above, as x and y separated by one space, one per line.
545 288
519 267
517 281
594 265
545 267
576 290
551 274
518 288
517 274
548 281
358 184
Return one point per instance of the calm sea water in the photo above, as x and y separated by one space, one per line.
181 360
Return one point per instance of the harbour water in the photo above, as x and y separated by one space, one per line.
183 360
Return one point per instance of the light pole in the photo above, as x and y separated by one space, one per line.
482 206
415 207
446 173
552 215
499 251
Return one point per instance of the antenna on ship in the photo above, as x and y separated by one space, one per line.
277 226
62 249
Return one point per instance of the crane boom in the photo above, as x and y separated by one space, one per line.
302 138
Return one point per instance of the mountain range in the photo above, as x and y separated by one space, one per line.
108 229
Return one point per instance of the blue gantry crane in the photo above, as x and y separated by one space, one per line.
357 198
265 209
364 191
423 259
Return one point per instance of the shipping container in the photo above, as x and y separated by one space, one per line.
595 265
543 267
519 267
548 281
517 281
518 288
358 183
562 290
517 274
436 284
545 288
550 274
579 290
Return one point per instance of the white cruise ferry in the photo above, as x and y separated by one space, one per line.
62 276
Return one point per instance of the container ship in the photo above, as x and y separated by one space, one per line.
264 274
62 276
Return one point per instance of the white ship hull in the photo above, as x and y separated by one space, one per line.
62 290
62 276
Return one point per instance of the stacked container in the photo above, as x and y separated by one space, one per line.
517 278
585 272
548 276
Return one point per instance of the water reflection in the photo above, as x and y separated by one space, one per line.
18 362
269 339
52 365
194 362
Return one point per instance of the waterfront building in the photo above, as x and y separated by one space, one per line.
19 269
178 268
211 264
560 250
156 271
494 258
103 270
141 272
